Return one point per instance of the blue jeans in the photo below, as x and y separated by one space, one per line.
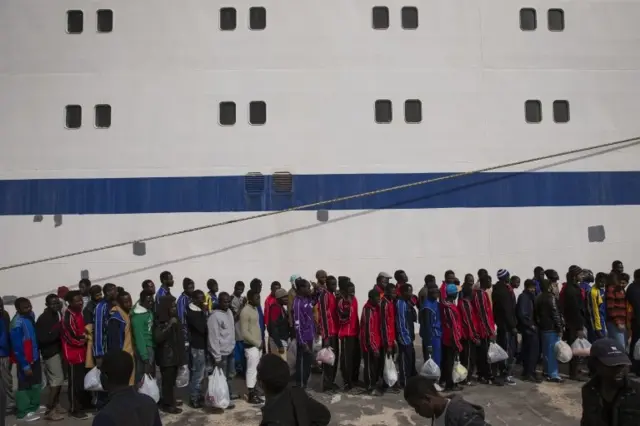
197 367
549 340
618 335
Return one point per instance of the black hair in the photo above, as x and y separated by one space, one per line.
390 287
186 282
373 293
210 282
107 287
120 290
397 274
636 275
117 366
273 372
549 273
85 281
545 285
164 308
331 278
198 293
239 283
70 295
420 387
275 284
513 278
405 287
342 282
538 269
251 293
624 277
602 276
529 283
224 293
253 285
20 301
429 278
164 275
145 283
482 272
615 264
122 294
49 298
449 272
95 289
145 293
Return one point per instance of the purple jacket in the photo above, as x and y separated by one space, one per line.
303 319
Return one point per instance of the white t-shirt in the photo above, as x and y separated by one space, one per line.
440 421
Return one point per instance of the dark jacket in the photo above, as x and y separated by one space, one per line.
504 306
573 307
547 313
197 327
626 406
5 335
168 336
464 413
293 407
525 311
89 311
128 408
278 328
48 333
633 298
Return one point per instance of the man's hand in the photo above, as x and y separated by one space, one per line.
430 350
621 327
581 334
28 372
326 343
173 320
99 363
149 368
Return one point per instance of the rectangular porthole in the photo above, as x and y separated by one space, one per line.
257 112
410 17
227 116
103 116
257 18
380 18
282 182
412 111
533 111
383 113
75 21
105 20
555 19
73 116
228 19
561 111
528 19
254 183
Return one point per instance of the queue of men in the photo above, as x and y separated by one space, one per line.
188 334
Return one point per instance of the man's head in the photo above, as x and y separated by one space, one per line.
609 361
321 277
382 279
212 285
482 273
95 293
273 374
124 301
166 279
224 301
74 300
350 289
515 282
485 282
275 286
256 285
530 286
253 297
400 276
573 274
406 291
467 290
303 288
146 300
197 298
282 296
601 280
538 273
636 275
116 370
374 297
433 292
53 302
110 292
188 286
332 283
83 286
428 279
503 275
552 275
23 306
468 279
390 291
617 266
421 394
149 286
238 288
449 277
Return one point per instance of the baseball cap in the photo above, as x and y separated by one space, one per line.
384 275
608 352
281 292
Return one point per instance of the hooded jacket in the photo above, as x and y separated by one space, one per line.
221 337
463 413
293 407
142 325
196 327
625 410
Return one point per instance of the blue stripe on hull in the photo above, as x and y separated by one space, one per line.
227 193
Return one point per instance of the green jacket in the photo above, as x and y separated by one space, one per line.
142 324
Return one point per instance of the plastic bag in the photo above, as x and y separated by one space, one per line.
326 356
563 351
317 344
459 372
183 377
92 380
218 390
292 352
430 370
581 347
390 374
496 353
150 388
636 351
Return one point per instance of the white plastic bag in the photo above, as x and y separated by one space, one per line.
496 353
326 356
218 390
183 377
430 370
459 372
292 352
92 381
563 351
581 347
390 373
636 351
150 388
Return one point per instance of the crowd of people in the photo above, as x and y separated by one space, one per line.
197 331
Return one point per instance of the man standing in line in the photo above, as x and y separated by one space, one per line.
252 336
573 311
6 374
504 312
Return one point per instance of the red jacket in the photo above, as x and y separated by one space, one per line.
387 322
470 322
484 312
370 336
328 314
73 342
268 302
348 317
451 325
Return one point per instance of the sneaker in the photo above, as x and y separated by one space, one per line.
41 409
61 410
30 417
79 415
556 380
231 406
509 381
53 416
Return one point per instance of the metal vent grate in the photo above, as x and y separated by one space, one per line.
254 183
282 182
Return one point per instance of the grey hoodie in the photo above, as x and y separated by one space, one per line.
222 336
